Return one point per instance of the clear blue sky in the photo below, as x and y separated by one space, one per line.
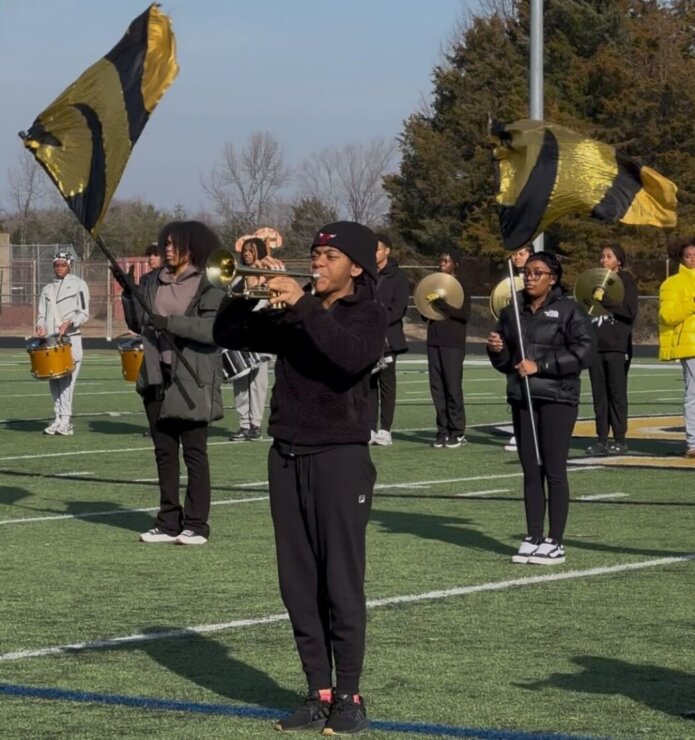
314 73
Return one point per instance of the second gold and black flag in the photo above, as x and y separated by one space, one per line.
547 171
84 138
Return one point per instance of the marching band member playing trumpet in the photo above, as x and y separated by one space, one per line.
558 346
608 371
320 474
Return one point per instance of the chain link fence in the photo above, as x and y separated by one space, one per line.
31 267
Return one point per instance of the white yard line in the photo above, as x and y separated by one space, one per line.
372 604
601 496
483 493
115 512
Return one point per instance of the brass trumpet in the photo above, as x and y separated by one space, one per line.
222 269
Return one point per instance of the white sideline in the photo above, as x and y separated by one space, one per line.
372 604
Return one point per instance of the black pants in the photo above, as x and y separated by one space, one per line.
320 505
167 435
554 424
445 365
382 387
608 374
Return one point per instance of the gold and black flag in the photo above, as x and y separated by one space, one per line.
84 138
546 171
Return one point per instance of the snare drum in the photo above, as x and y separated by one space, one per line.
132 352
51 357
236 364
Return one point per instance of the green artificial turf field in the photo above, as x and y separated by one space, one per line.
101 636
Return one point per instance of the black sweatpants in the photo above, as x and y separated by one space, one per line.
320 505
608 373
382 387
445 365
554 424
167 436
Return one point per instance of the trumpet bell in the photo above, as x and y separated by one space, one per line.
437 285
598 277
221 268
501 295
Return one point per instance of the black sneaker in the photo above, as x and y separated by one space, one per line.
253 433
597 449
241 435
347 716
456 441
617 448
312 715
440 440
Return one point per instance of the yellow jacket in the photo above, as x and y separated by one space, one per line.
677 315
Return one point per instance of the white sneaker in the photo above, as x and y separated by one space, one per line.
65 429
550 552
383 437
529 545
156 535
511 445
189 537
51 428
372 437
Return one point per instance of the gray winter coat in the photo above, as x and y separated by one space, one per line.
192 332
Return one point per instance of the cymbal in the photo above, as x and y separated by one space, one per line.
501 296
598 277
437 285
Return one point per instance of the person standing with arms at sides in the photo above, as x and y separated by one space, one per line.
393 292
63 309
320 475
518 258
559 344
184 305
250 389
677 329
608 371
446 350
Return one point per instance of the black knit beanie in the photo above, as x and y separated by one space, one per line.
356 241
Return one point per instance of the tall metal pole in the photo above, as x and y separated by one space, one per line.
536 77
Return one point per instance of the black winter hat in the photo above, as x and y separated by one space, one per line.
356 241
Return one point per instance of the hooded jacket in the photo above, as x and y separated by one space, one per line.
192 332
558 338
677 315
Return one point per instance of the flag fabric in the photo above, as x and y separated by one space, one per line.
546 171
84 138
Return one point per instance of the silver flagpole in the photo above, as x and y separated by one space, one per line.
536 77
522 350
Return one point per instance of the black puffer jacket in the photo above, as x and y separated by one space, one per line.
558 338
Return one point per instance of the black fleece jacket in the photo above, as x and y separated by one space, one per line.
324 360
614 329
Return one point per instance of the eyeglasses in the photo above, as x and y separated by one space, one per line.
534 274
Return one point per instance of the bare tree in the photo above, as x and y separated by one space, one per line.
245 184
28 186
349 180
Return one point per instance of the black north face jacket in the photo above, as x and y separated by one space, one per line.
558 338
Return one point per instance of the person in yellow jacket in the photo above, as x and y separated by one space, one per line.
677 329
